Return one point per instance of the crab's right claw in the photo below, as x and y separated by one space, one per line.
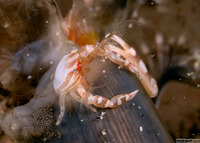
118 100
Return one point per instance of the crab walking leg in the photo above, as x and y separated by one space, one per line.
147 81
103 102
129 58
80 99
62 108
116 101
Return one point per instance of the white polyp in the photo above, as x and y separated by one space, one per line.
29 77
130 25
57 33
51 62
141 128
142 66
14 121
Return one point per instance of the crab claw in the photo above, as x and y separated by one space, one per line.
103 102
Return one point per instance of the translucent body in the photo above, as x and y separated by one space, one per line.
69 80
69 76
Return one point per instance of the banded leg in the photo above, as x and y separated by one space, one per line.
128 57
103 102
62 108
